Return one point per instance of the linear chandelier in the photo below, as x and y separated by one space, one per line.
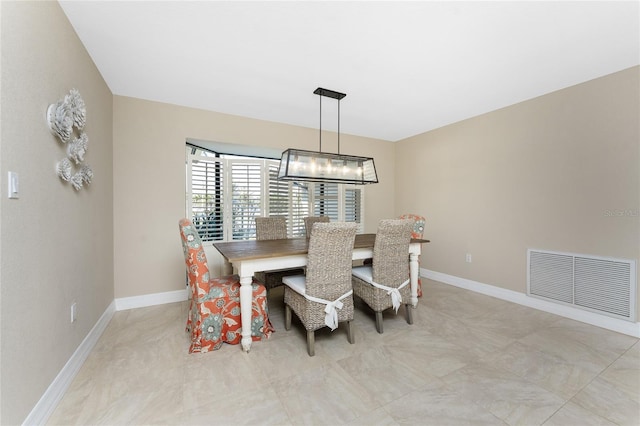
318 166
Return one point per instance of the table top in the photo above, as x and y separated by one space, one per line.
235 251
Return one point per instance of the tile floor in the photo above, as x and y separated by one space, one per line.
467 359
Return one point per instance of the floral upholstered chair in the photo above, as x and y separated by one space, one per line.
214 311
418 232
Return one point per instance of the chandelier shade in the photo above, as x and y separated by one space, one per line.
298 164
318 166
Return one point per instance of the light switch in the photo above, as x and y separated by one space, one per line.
13 185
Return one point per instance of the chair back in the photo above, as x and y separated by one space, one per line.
390 260
271 228
418 227
310 220
195 258
329 259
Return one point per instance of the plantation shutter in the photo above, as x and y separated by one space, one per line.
205 201
288 199
299 208
353 205
325 200
278 204
246 198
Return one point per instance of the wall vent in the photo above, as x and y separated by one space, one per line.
598 284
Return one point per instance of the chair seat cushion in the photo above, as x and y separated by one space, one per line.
365 273
272 279
297 283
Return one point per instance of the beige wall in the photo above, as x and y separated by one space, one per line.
149 182
550 173
57 244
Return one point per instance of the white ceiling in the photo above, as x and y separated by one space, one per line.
406 67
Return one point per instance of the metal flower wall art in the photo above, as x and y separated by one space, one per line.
64 169
66 118
77 148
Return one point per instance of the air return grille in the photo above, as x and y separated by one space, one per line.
598 284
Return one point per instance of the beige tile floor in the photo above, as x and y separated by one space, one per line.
467 359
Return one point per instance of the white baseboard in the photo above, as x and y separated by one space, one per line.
124 303
614 324
54 393
56 390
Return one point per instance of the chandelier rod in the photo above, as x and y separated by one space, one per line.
320 127
338 126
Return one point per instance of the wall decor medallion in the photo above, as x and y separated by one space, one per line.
64 169
60 120
77 148
87 173
78 110
84 175
76 181
63 117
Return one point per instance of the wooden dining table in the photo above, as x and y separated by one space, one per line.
247 257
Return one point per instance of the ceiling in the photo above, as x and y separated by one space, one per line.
406 67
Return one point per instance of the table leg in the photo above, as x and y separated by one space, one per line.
227 269
246 295
414 271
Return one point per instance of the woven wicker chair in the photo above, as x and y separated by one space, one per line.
310 220
385 283
327 284
273 228
418 231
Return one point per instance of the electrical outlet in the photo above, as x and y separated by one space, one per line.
74 312
468 258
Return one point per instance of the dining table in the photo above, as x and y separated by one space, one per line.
246 257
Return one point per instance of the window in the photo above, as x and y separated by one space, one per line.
225 193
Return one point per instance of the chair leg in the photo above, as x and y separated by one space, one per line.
287 317
311 338
409 310
379 322
350 336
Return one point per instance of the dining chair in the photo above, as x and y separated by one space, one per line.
385 283
323 297
214 310
310 220
417 233
273 228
